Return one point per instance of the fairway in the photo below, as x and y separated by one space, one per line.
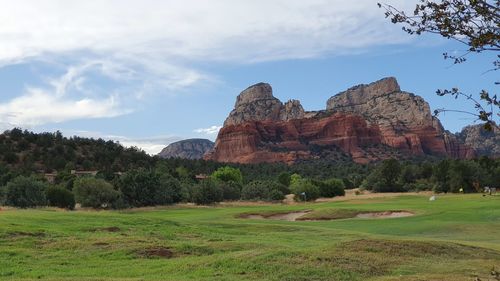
456 237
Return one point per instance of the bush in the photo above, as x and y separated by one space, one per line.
263 190
284 178
230 190
58 196
207 192
348 184
95 193
305 190
147 188
384 178
24 192
331 187
227 174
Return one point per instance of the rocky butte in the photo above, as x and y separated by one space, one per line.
187 149
366 123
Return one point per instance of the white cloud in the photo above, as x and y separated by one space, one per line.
151 145
62 100
155 46
212 130
193 30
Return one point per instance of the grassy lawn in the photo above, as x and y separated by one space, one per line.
455 237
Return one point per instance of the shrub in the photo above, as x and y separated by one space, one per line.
95 193
24 192
227 174
384 178
143 187
207 192
348 184
230 190
331 187
284 178
58 196
305 190
263 190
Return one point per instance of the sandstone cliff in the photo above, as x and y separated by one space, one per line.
189 149
366 122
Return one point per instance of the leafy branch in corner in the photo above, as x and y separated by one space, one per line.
474 23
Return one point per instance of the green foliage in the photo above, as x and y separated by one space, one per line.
294 179
263 190
52 151
227 174
25 192
207 192
230 190
61 197
305 190
141 187
385 178
95 193
330 188
285 178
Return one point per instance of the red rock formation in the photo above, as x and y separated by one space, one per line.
269 137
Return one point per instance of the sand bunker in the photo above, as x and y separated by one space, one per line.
384 215
293 216
309 216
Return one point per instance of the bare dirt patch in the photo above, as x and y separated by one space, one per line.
20 234
157 252
107 229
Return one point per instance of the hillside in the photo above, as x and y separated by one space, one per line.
27 152
365 123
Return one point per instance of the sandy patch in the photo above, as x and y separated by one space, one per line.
292 216
384 215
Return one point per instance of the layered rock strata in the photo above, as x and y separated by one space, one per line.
262 129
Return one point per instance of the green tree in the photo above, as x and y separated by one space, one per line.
263 190
25 192
141 187
384 178
227 174
331 187
304 189
95 193
440 176
207 192
59 196
285 178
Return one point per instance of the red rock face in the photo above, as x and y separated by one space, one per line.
365 122
289 141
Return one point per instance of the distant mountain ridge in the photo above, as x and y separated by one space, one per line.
187 149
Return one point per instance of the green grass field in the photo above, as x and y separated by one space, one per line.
456 237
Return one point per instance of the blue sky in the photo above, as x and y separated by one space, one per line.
147 73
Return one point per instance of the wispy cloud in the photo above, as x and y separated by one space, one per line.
62 99
212 130
155 47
